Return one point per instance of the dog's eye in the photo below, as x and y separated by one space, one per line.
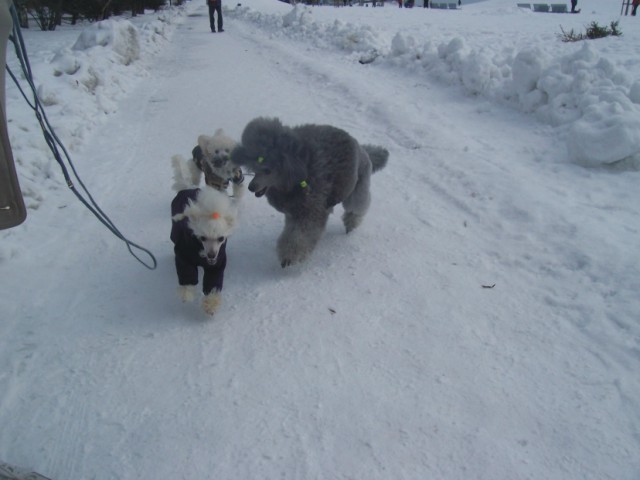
202 238
221 239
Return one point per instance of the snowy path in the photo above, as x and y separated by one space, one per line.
342 368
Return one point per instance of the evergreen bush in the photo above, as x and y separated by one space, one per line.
593 31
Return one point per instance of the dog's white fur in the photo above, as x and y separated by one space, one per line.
211 303
187 293
216 150
183 174
208 229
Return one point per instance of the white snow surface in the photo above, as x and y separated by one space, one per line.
514 164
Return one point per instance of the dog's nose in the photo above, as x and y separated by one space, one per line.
220 160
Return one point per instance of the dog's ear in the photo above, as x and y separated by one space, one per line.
203 142
240 156
261 133
294 158
192 210
231 221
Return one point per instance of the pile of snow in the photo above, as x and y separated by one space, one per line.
482 323
591 99
80 82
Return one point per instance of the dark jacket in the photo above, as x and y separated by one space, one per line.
187 249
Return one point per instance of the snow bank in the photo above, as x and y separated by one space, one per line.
594 100
80 85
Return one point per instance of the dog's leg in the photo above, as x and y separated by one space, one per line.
237 182
187 278
300 236
211 302
238 190
357 204
187 293
355 207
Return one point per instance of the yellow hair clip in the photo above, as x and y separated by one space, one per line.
260 159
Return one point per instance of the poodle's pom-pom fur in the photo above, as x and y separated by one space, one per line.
211 302
262 133
378 156
199 213
219 142
187 293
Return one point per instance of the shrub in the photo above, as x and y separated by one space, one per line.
593 31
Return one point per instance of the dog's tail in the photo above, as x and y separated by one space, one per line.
185 173
378 156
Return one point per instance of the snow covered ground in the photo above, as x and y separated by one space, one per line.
515 162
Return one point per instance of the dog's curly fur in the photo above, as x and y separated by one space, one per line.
305 171
209 158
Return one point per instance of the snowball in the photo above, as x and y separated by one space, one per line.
526 71
604 136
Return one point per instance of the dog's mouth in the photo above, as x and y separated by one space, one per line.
257 191
209 259
258 188
220 160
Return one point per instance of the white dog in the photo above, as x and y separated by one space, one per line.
212 157
203 219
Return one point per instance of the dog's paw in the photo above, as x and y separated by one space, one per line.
187 293
211 302
238 190
292 260
292 255
351 220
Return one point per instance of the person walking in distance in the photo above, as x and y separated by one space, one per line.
215 6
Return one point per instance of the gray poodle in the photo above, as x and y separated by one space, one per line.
304 171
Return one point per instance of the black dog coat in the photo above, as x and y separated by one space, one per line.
187 249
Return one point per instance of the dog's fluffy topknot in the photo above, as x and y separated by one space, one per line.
212 214
262 132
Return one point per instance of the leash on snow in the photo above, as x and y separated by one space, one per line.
55 145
